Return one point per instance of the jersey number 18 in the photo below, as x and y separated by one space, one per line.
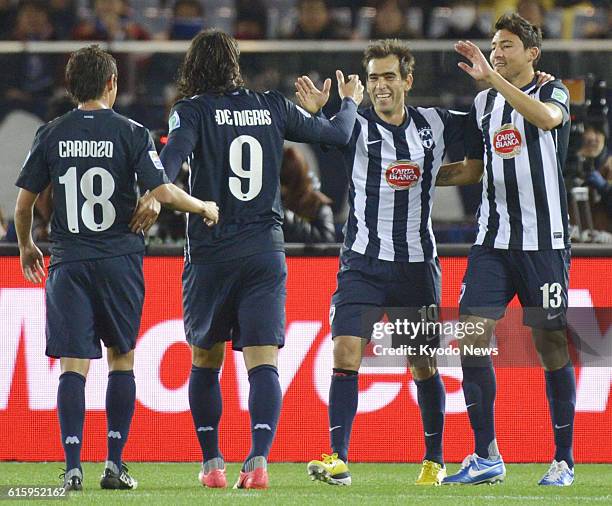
86 185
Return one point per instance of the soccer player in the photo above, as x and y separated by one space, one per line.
389 255
234 275
518 134
93 158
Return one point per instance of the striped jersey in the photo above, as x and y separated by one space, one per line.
392 172
524 201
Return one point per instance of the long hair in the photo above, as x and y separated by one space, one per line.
210 65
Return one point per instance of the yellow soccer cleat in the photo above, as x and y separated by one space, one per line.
330 469
431 474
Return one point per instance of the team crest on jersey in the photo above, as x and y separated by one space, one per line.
507 141
427 139
402 174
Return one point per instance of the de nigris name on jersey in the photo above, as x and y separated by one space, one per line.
249 117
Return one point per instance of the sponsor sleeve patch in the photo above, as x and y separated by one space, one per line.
155 159
174 122
559 95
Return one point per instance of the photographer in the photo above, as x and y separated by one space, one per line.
598 171
308 215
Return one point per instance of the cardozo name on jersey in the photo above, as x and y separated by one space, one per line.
249 117
85 149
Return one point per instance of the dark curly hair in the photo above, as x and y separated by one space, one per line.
210 65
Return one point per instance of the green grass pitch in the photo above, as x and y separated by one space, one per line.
378 484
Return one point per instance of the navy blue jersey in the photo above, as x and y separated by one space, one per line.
234 145
93 160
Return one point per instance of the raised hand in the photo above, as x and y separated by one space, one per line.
310 97
210 213
351 88
480 68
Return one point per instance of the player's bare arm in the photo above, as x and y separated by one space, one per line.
31 258
172 196
145 214
467 171
544 116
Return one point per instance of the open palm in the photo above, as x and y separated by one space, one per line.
310 97
480 68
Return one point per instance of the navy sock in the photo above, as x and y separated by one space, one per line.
343 398
432 401
206 408
120 399
479 390
71 413
561 393
265 398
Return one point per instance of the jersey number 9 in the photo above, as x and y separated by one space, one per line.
254 174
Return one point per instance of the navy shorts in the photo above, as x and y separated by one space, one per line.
539 278
90 301
241 300
369 287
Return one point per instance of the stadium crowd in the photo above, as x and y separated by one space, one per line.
33 82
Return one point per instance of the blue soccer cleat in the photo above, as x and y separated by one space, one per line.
558 475
475 470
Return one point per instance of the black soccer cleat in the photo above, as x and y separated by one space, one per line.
113 479
73 480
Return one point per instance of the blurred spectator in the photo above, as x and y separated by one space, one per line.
315 22
63 15
534 12
187 20
250 20
308 215
390 21
160 72
3 226
464 22
8 10
598 169
599 30
29 78
111 21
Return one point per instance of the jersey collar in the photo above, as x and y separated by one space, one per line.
372 116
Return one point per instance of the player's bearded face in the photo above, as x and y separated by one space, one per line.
508 55
386 87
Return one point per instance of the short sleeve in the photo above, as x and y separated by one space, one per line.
556 93
35 175
148 166
473 141
454 125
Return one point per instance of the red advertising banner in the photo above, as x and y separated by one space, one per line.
387 427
